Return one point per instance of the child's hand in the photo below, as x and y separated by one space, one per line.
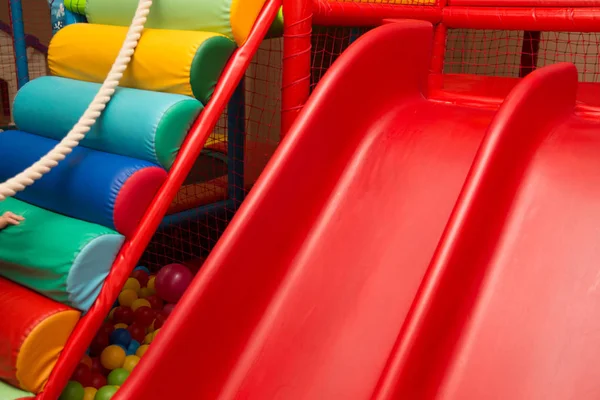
10 219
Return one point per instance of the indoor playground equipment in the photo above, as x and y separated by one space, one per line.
426 229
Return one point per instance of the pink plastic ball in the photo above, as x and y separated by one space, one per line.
172 281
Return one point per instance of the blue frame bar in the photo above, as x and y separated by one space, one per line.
236 127
19 42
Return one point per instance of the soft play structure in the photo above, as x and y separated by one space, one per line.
416 235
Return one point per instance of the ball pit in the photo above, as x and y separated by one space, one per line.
141 310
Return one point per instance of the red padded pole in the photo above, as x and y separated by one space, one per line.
297 28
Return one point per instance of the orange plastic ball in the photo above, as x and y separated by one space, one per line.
140 303
87 360
112 357
146 292
132 284
127 297
89 393
142 350
131 362
121 325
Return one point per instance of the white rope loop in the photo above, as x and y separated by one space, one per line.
41 167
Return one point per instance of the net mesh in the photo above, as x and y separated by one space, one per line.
508 53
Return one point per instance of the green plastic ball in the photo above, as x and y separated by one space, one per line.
73 391
118 376
106 393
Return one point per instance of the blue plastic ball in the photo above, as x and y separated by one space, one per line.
133 347
121 337
141 268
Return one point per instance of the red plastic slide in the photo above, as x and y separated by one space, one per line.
402 247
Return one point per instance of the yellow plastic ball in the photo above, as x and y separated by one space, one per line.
89 393
121 325
111 313
87 360
127 297
151 282
156 333
149 337
140 303
142 350
132 284
145 292
131 362
112 357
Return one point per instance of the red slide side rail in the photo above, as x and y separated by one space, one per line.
526 3
134 247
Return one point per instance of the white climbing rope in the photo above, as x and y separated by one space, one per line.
26 178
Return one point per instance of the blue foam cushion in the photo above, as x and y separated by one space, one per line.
89 185
136 123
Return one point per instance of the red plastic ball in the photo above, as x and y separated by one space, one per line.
141 276
98 368
172 281
159 321
155 302
137 331
100 342
98 380
123 315
167 310
82 374
144 316
107 328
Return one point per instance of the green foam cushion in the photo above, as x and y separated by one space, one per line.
8 392
62 258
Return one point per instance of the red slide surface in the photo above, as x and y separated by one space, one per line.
402 247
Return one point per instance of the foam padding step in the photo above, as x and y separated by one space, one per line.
33 334
183 62
232 18
62 258
136 123
94 186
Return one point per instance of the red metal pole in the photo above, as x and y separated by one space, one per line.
297 28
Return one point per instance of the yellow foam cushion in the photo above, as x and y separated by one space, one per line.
34 365
233 18
183 62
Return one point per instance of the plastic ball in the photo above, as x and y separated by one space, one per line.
87 360
98 380
152 282
121 326
97 367
145 292
112 357
144 316
158 322
149 337
99 343
172 281
118 376
123 315
82 374
155 302
142 268
142 350
111 314
106 392
167 310
140 303
137 332
131 362
141 276
132 284
127 297
73 391
106 328
133 346
89 393
120 336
